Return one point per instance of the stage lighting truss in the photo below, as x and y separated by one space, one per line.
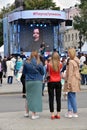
39 22
38 25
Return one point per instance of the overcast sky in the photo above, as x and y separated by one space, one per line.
5 2
66 3
62 3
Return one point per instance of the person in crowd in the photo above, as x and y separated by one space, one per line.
13 59
72 83
44 77
83 72
54 84
1 71
86 57
18 64
23 80
4 66
23 84
63 75
19 68
42 49
82 59
10 70
33 70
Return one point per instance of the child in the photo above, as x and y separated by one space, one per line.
84 73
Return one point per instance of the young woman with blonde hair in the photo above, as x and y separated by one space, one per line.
54 84
72 83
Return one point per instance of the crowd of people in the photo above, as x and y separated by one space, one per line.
60 74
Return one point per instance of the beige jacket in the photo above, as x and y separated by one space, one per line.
73 78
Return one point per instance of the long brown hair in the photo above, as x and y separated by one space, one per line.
34 54
55 61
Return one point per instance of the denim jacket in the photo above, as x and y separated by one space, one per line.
33 71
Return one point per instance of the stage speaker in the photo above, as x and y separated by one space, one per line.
68 23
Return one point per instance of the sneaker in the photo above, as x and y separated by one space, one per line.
34 117
75 115
26 115
68 115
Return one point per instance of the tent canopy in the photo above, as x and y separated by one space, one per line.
84 47
2 48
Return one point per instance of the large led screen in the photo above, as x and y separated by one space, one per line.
32 36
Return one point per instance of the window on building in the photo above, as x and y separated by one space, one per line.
76 36
69 37
65 38
72 37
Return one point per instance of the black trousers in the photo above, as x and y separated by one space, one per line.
23 84
1 73
54 88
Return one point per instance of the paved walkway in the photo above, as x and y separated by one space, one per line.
16 87
16 121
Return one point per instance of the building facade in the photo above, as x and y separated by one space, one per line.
70 36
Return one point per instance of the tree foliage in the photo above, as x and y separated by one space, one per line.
4 11
80 22
40 4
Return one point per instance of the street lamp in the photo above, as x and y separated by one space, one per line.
80 41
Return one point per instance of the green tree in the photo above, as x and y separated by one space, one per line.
80 22
4 11
40 4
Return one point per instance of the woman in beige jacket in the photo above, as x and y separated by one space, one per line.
72 83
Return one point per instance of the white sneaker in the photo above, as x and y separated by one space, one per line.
34 117
75 115
26 115
68 115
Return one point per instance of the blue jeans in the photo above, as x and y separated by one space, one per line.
84 78
72 104
10 79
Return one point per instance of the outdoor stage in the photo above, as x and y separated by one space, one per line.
21 25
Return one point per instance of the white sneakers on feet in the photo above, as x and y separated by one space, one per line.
75 115
26 115
34 117
70 115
